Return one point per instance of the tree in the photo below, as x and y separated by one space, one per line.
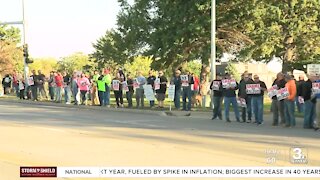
46 65
232 70
10 54
286 29
77 61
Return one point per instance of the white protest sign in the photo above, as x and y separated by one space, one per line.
116 85
253 89
273 91
171 92
316 88
125 87
216 85
283 93
313 69
184 80
30 81
241 102
233 83
226 83
157 84
148 92
300 100
21 85
135 83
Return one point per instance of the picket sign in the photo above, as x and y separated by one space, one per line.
283 93
253 89
273 91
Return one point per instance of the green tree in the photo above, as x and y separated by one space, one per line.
77 61
139 63
232 70
46 65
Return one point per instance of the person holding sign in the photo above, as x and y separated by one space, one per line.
83 84
176 80
257 99
101 87
107 80
117 89
216 87
289 101
187 82
6 84
58 79
139 91
21 85
242 93
34 85
278 105
129 93
309 103
151 80
318 104
230 98
161 92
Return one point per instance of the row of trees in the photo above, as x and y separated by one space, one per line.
176 32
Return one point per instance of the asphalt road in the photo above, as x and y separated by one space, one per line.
34 135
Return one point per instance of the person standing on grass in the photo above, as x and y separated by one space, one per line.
34 86
317 124
117 89
242 93
216 87
15 82
101 87
186 83
6 84
139 91
75 88
278 106
129 93
59 86
21 86
176 81
107 79
289 102
67 87
257 100
309 103
161 93
229 94
51 85
94 88
41 83
299 85
150 80
83 84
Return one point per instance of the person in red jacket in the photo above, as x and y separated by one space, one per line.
58 78
289 101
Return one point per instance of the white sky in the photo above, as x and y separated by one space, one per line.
57 28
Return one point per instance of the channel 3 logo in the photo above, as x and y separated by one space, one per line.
298 155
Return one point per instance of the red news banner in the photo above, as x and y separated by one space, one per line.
38 171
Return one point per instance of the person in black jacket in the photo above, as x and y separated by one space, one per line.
230 98
41 82
186 90
6 83
150 80
176 80
299 93
161 93
243 94
216 87
34 86
278 106
129 93
309 103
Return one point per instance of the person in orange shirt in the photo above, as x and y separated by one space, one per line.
289 101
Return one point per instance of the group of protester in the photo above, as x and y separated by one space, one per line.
248 95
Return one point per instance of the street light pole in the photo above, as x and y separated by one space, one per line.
25 69
213 40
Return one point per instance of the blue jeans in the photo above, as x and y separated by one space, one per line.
233 101
247 110
16 89
58 94
107 96
151 103
67 94
289 113
186 93
217 101
309 114
177 95
101 95
257 106
51 92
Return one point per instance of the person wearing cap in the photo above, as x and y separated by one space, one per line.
176 80
230 98
278 106
300 85
186 92
257 100
289 101
217 98
309 103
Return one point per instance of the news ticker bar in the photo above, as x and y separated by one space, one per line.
170 172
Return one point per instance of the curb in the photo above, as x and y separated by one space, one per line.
96 108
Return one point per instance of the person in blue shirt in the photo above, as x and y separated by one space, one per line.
139 91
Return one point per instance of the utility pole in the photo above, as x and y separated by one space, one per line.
213 40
